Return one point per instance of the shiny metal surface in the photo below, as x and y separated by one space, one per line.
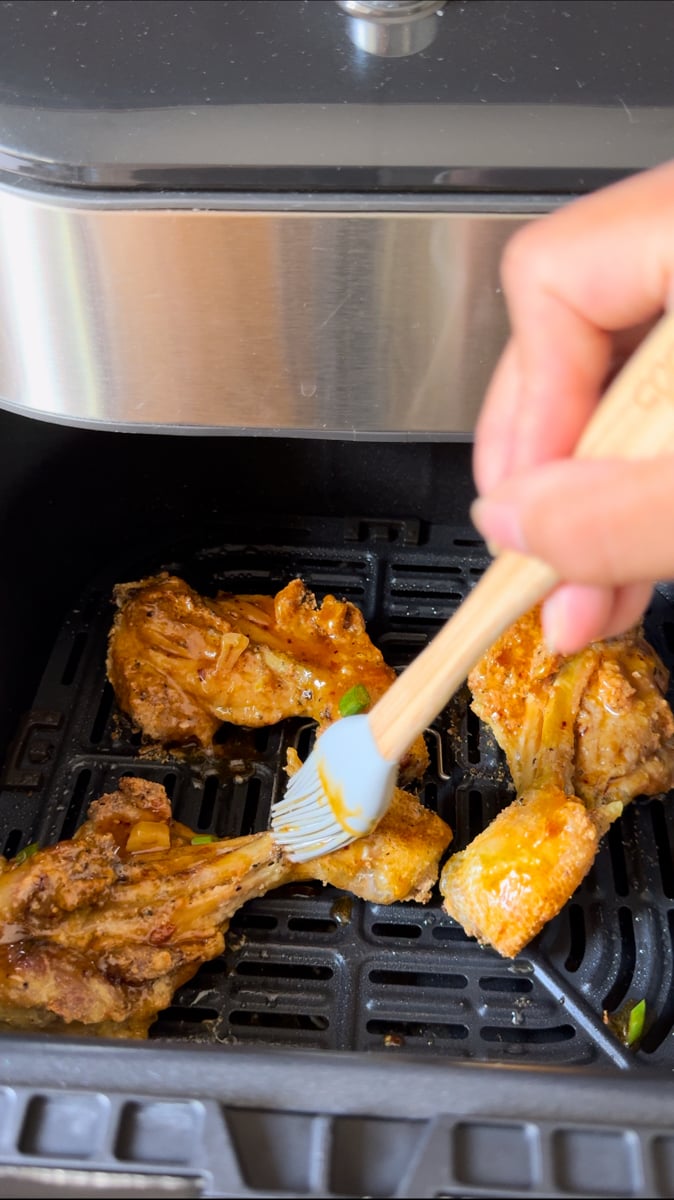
392 28
382 324
401 10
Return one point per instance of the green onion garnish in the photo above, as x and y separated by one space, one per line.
27 852
202 839
354 701
635 1025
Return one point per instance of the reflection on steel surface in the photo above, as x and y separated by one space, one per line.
392 28
325 323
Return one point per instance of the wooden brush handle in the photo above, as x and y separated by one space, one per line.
635 419
636 416
507 589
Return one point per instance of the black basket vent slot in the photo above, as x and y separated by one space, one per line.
387 929
416 1031
12 843
417 979
312 924
211 785
660 1017
102 716
545 1036
577 938
628 956
507 984
664 847
73 660
617 852
254 1019
74 811
287 970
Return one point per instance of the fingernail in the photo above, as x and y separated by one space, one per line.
498 523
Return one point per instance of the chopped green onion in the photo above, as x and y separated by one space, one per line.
202 839
354 701
27 852
635 1025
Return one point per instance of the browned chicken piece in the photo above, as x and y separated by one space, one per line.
101 936
583 736
397 861
181 664
96 933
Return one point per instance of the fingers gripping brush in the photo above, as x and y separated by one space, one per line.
346 784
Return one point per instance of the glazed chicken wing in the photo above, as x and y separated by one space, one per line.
96 933
100 936
181 664
583 736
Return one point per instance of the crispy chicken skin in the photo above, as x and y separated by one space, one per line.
397 861
583 736
181 664
95 937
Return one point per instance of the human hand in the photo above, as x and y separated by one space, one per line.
583 286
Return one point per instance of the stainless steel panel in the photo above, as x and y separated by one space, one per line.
347 323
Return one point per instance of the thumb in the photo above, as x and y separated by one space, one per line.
604 521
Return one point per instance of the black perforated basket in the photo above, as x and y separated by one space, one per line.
308 969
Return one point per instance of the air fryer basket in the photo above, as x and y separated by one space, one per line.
255 1082
305 966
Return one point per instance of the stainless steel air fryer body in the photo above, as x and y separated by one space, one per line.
210 314
232 218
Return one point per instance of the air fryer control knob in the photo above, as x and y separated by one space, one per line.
392 28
